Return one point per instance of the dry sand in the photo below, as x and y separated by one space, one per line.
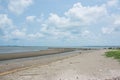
87 66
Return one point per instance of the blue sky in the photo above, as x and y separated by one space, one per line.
60 22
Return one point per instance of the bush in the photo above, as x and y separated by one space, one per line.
114 54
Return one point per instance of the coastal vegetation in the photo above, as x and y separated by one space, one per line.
114 53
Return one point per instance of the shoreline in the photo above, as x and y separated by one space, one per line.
9 56
21 63
89 66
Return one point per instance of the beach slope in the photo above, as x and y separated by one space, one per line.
88 66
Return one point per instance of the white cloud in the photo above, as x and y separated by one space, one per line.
112 3
19 6
113 26
107 30
6 24
18 34
58 21
30 18
35 36
74 24
85 33
34 18
86 14
71 24
15 34
57 34
110 29
116 20
44 28
77 16
5 21
9 31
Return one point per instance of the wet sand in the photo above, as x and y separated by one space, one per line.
8 56
88 66
22 63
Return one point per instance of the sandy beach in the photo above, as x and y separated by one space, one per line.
92 65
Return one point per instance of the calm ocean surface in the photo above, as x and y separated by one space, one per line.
10 49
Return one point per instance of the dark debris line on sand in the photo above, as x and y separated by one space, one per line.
114 78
